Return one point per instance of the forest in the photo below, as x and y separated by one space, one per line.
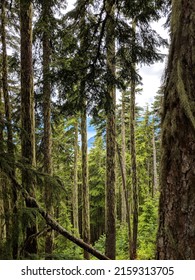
129 191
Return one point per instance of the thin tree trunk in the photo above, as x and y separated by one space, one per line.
7 215
155 173
75 183
176 232
85 185
5 80
110 137
123 160
10 146
27 114
134 174
47 124
133 162
2 219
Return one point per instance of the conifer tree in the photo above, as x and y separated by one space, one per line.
110 245
9 193
27 118
177 198
47 150
75 180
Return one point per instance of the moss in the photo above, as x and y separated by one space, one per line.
175 15
183 97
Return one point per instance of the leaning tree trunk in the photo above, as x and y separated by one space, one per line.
27 117
176 232
110 137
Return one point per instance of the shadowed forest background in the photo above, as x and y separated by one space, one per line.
62 196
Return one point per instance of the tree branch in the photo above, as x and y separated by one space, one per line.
55 225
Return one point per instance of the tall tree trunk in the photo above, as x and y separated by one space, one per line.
110 136
85 185
155 173
10 146
27 115
134 174
176 232
75 182
47 123
6 195
123 159
2 219
5 80
133 160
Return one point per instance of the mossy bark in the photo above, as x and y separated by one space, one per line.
176 232
110 135
10 147
47 122
27 115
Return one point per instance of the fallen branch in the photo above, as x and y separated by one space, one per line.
56 226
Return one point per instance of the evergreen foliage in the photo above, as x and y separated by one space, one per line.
86 65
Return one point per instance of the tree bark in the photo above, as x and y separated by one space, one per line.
123 161
47 122
85 185
2 219
110 135
10 147
133 166
75 183
176 232
7 215
27 113
155 173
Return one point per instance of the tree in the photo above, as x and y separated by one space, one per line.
75 180
123 159
177 198
110 245
83 98
27 117
47 150
9 193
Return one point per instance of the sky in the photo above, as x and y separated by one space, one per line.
152 75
